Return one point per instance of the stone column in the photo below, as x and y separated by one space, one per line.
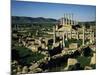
61 44
69 19
90 36
54 35
71 34
66 19
56 27
83 35
93 37
63 40
66 35
77 35
72 19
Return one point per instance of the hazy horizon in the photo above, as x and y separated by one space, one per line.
53 10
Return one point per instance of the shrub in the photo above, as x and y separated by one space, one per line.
25 56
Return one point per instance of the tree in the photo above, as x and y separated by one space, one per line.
87 51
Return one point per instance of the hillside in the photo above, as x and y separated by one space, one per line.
23 20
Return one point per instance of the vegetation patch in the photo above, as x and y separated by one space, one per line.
25 56
84 61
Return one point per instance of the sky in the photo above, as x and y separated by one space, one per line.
52 10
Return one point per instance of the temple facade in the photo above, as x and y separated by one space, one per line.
65 30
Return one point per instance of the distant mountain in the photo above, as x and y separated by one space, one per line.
21 20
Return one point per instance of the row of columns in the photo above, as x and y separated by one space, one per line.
66 33
68 19
91 33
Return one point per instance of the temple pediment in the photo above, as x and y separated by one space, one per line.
65 28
